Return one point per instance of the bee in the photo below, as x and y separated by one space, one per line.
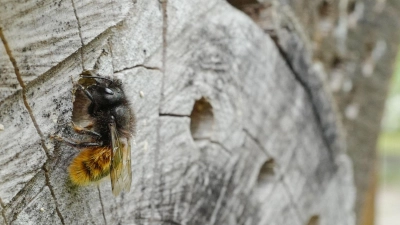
112 125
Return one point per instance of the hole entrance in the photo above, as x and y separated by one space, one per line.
314 220
240 3
351 7
266 180
81 102
267 172
324 9
202 119
336 62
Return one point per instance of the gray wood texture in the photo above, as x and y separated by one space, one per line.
356 42
228 130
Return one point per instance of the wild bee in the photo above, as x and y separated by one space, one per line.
112 124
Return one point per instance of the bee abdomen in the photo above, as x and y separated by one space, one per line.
91 164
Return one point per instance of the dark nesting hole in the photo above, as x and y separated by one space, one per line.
324 9
351 7
369 47
260 12
266 172
253 8
266 180
336 62
80 115
241 3
314 220
355 11
201 119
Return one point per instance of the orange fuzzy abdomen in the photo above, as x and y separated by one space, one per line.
90 165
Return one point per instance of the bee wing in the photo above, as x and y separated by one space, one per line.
120 170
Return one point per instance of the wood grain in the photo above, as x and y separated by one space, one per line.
262 159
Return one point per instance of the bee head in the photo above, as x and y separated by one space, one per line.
106 92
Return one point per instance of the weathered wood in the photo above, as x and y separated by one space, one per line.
9 84
22 155
356 42
265 149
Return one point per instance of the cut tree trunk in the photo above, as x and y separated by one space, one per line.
231 129
357 43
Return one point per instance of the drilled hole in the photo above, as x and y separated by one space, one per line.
336 62
324 9
266 172
80 115
351 7
240 3
202 119
314 220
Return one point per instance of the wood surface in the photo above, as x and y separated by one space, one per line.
229 131
356 43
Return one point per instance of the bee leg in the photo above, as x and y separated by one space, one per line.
82 130
76 144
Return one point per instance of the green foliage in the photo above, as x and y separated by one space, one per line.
391 118
395 84
389 143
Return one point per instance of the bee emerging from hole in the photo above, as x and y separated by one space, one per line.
111 126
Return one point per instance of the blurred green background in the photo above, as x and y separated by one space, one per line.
389 140
388 195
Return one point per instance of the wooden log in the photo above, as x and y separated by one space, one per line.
356 42
227 131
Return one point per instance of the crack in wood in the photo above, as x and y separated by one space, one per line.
102 205
223 195
80 33
28 108
15 216
10 161
48 184
306 86
279 176
106 33
22 192
315 108
139 66
103 53
257 142
164 46
228 178
45 76
156 173
292 201
221 145
111 53
214 142
172 115
22 84
164 32
2 203
3 214
290 17
12 59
